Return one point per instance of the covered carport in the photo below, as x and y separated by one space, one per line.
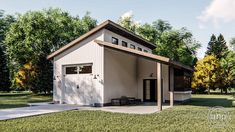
160 62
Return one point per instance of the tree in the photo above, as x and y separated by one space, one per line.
35 35
128 23
4 72
206 73
178 45
232 43
217 47
25 76
211 45
228 71
5 21
148 32
162 26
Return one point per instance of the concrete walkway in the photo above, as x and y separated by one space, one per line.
44 108
6 114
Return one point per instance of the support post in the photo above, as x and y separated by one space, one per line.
171 85
159 86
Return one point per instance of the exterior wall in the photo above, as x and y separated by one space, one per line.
86 51
119 75
182 96
147 67
165 76
108 38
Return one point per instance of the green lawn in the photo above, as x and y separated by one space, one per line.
192 116
13 100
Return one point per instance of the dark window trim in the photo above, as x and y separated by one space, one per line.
85 72
124 44
113 38
77 68
140 49
70 70
132 46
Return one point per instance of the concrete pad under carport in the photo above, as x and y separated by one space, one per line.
133 109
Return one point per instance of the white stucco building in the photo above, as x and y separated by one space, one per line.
109 62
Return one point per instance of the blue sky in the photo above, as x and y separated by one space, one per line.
201 17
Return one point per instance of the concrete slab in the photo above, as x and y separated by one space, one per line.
6 114
138 109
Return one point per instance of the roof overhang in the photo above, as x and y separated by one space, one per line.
109 25
157 58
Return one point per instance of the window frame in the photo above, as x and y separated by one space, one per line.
132 46
79 72
140 49
124 43
113 38
67 67
78 66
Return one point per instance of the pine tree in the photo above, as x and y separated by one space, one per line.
217 47
211 45
222 48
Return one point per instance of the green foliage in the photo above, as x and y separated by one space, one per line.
5 21
228 71
233 103
36 34
232 43
178 45
217 47
207 73
128 23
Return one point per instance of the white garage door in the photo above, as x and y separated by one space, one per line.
78 84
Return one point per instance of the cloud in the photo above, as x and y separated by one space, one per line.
219 11
127 14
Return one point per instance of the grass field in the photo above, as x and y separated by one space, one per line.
192 116
13 100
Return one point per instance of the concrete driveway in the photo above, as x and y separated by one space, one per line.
6 114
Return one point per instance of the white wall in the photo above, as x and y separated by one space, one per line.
145 68
86 51
119 75
108 38
182 96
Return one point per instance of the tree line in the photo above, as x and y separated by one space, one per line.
26 40
217 69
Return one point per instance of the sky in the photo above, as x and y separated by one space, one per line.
201 17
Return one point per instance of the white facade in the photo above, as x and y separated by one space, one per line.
114 73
